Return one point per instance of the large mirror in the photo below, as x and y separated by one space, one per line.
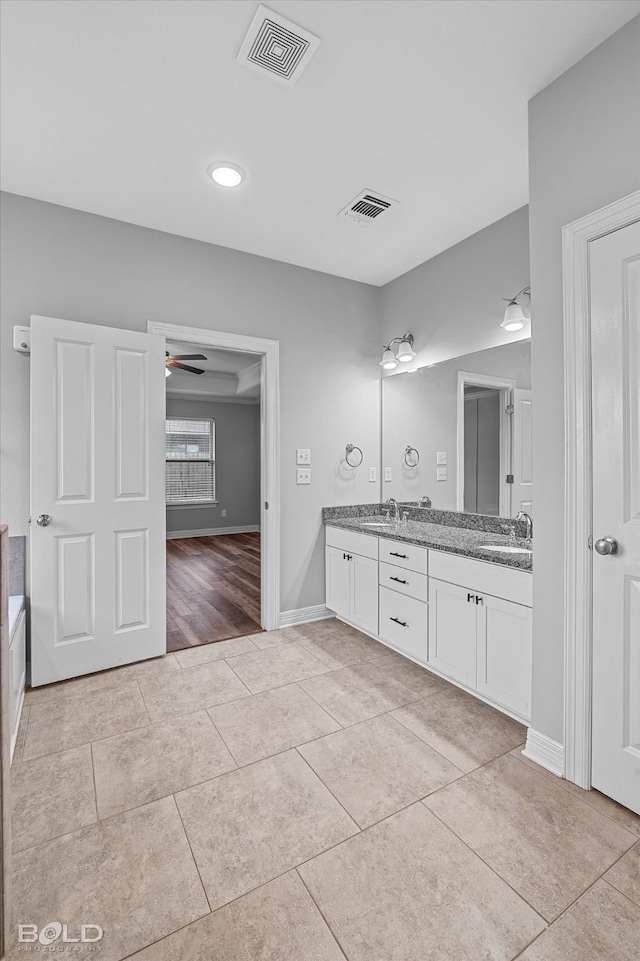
459 433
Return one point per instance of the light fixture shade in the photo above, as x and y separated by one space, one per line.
388 360
167 372
225 173
405 352
514 318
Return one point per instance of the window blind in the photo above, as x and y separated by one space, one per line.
190 460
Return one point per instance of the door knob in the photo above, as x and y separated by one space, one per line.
606 545
43 520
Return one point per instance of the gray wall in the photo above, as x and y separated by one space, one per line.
237 432
64 263
452 302
584 152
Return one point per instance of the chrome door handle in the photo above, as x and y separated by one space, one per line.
43 520
606 545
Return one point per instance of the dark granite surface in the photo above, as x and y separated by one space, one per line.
442 537
476 522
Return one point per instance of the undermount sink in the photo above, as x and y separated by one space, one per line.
504 549
377 523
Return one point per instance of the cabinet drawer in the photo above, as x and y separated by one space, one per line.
352 542
404 622
409 556
404 581
482 577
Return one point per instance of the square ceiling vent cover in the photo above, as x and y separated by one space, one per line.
367 207
277 46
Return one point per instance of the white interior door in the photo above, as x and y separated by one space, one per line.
615 337
97 474
522 447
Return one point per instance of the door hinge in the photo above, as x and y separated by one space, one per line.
509 409
509 479
266 505
590 542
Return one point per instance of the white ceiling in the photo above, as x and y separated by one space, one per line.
229 375
118 107
218 361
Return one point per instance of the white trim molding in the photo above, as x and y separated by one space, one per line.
576 238
269 441
303 615
213 532
544 751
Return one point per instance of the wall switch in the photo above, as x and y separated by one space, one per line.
303 455
441 457
303 475
441 473
372 474
387 474
223 512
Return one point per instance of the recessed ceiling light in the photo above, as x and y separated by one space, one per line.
225 173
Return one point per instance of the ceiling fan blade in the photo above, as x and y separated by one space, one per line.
192 370
189 357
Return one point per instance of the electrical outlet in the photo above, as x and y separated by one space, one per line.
441 457
303 475
387 474
223 512
303 455
372 474
441 473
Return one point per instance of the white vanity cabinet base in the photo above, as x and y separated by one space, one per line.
453 631
352 578
18 668
504 653
404 622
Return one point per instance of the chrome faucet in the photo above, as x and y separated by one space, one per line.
521 516
392 503
424 501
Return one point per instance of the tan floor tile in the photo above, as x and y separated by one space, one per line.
249 826
275 667
140 766
269 723
410 674
51 796
377 767
52 692
548 845
68 721
278 922
601 926
408 890
285 635
625 875
21 735
465 730
193 656
339 648
133 875
356 693
153 667
191 689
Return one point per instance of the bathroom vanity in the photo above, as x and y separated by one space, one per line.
456 600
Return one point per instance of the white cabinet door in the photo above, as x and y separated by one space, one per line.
404 622
338 588
452 631
504 653
364 592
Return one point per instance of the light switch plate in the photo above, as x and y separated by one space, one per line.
441 473
387 473
303 475
441 457
303 455
372 474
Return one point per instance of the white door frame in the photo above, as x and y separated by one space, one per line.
578 628
270 443
504 385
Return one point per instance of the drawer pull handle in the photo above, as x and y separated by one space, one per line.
469 597
394 554
347 557
401 623
399 580
479 600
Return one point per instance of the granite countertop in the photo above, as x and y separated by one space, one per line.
439 537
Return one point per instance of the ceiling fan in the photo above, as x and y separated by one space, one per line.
173 360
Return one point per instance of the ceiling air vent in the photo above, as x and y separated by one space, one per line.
277 46
367 207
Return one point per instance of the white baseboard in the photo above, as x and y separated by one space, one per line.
545 751
212 531
305 614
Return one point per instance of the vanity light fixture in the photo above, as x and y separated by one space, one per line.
514 315
225 173
404 354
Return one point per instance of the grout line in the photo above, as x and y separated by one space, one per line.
95 787
326 786
204 890
618 891
322 915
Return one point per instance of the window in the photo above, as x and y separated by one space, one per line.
190 461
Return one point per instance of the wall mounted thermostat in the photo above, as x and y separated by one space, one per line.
22 339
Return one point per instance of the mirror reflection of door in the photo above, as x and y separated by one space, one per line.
481 450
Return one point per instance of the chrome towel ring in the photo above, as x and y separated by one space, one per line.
357 460
411 456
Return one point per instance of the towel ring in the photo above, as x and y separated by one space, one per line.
349 450
411 456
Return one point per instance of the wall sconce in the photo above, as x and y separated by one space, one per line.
404 353
514 315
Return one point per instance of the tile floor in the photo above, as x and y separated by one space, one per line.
306 795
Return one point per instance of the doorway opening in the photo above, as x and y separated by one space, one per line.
484 443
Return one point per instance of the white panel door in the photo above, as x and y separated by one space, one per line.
522 487
97 477
615 340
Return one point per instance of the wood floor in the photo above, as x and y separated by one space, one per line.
213 589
